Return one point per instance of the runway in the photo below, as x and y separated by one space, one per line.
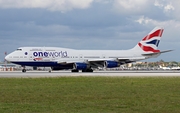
39 74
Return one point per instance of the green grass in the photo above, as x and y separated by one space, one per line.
90 95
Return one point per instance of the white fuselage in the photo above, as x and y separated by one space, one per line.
32 54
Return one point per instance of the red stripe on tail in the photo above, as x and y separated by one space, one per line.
147 48
154 34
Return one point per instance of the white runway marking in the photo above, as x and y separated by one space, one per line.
38 74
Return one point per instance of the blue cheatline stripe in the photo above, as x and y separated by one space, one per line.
45 64
155 42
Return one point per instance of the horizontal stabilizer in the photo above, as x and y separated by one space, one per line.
157 53
166 51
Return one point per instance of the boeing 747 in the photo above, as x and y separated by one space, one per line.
86 60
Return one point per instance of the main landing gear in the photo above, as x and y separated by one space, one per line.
75 70
84 70
87 70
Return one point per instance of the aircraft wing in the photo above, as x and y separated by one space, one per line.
100 63
96 63
121 60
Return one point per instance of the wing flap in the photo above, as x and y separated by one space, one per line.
100 61
131 59
68 62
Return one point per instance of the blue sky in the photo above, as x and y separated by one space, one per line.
88 24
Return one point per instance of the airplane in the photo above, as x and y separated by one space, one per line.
164 68
175 68
169 68
86 60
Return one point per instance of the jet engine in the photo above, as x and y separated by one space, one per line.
111 64
80 66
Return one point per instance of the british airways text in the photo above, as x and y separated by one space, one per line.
51 54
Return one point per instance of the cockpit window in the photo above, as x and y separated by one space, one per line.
18 49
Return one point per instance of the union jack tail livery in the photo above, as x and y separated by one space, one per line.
150 42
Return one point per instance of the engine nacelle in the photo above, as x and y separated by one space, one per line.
80 66
111 64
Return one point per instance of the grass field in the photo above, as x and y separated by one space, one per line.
90 95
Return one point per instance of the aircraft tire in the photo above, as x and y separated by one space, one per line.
74 70
87 70
23 70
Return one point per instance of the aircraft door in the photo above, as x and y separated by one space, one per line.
80 56
103 56
31 56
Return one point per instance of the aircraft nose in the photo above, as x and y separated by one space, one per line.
7 58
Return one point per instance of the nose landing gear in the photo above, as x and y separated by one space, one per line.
24 69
